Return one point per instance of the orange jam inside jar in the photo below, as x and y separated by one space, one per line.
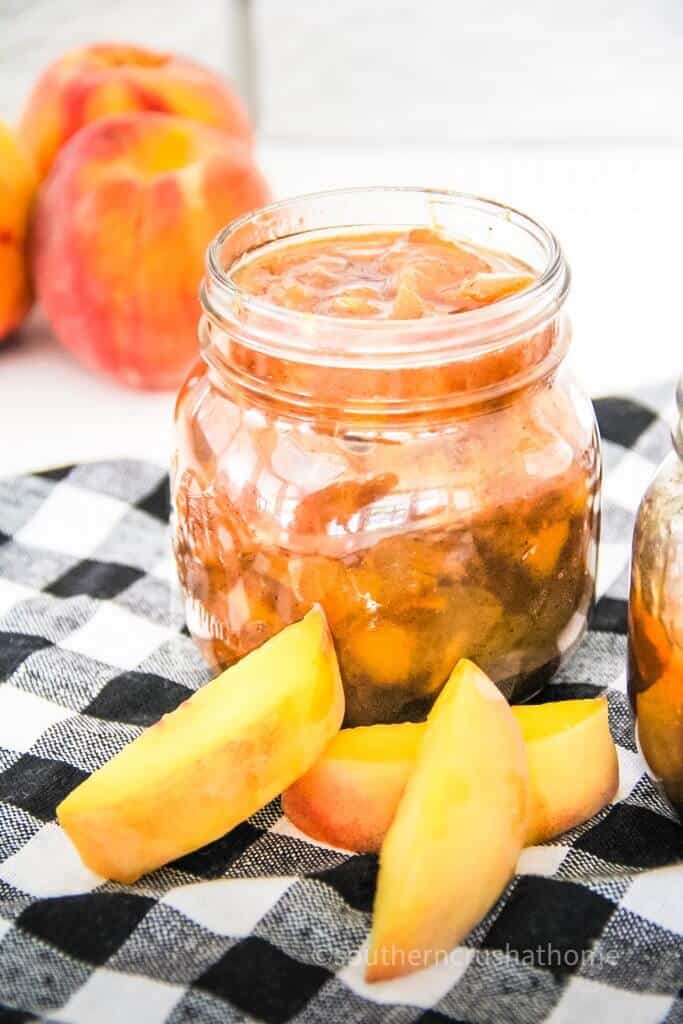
382 422
655 633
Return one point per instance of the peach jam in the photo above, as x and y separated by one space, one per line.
382 422
655 623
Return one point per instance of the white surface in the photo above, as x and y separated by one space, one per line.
658 896
110 997
422 988
587 1000
541 860
115 636
450 69
229 906
58 526
630 766
616 209
24 717
48 865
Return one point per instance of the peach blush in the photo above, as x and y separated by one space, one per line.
111 78
349 797
121 228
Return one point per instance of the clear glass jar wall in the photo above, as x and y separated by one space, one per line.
433 483
656 623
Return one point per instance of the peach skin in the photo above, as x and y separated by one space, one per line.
17 189
219 757
458 830
121 229
349 797
112 78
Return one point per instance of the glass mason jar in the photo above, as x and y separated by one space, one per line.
433 483
655 675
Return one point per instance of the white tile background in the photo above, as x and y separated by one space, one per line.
461 71
34 32
402 70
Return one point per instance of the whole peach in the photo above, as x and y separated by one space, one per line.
17 189
121 228
109 78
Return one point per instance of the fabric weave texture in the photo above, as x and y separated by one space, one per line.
265 924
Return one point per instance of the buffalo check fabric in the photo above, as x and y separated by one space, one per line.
264 924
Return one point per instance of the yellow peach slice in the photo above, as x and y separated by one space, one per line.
215 760
573 768
458 831
491 287
349 797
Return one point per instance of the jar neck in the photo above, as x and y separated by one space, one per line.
385 368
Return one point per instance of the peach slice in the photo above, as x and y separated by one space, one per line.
215 760
546 547
573 768
458 831
349 797
491 287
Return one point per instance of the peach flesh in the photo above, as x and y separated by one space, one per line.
458 830
219 757
349 797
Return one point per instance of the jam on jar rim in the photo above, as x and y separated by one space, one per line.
226 248
441 361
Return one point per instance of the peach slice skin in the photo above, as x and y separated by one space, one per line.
349 797
219 757
458 830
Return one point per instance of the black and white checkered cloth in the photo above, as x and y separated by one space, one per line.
265 924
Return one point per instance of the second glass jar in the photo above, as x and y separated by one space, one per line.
433 483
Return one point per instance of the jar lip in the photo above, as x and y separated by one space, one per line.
327 338
678 429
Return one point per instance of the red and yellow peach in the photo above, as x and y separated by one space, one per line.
17 188
121 228
109 78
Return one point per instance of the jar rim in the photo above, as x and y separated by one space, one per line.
678 429
349 341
